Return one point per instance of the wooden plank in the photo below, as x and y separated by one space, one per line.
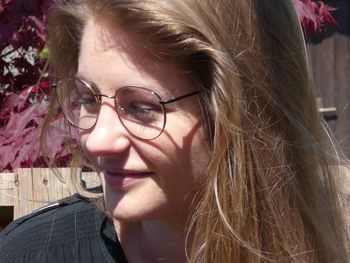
316 69
332 82
92 179
327 83
23 203
342 83
45 181
48 188
322 61
6 189
37 187
314 65
327 74
57 189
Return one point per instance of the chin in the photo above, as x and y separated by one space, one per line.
134 206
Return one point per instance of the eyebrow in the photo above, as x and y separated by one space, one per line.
87 81
82 77
96 88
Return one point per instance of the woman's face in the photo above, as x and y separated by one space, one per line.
142 179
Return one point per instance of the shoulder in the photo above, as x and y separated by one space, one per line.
64 222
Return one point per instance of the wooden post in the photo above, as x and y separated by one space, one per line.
6 189
37 187
31 188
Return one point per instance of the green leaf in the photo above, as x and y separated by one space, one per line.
44 53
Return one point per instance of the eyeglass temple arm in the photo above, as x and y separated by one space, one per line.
179 98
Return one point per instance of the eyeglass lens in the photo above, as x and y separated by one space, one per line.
138 108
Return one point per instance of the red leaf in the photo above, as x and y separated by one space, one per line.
30 147
313 15
19 121
55 138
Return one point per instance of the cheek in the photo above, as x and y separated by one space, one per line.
192 147
200 155
185 162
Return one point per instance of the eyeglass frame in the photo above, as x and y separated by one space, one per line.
99 96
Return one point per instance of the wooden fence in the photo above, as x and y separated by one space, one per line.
330 62
29 189
331 70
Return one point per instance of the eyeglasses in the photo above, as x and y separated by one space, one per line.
140 110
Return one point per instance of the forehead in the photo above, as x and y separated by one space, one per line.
114 56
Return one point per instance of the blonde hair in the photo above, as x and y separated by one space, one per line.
270 192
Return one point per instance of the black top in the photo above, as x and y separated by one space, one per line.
70 231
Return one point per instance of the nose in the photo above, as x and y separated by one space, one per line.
108 135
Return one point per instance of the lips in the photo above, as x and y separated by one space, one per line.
128 174
124 179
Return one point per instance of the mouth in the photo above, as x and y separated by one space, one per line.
128 173
125 179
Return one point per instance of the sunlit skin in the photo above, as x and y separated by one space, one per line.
148 185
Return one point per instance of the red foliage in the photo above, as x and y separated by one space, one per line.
23 104
22 34
20 131
314 15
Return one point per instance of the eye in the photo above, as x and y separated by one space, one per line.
144 108
86 99
139 105
141 112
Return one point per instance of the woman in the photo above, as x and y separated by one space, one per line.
201 121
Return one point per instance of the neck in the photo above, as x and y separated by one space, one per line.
152 241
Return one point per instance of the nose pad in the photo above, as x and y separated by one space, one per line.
108 135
